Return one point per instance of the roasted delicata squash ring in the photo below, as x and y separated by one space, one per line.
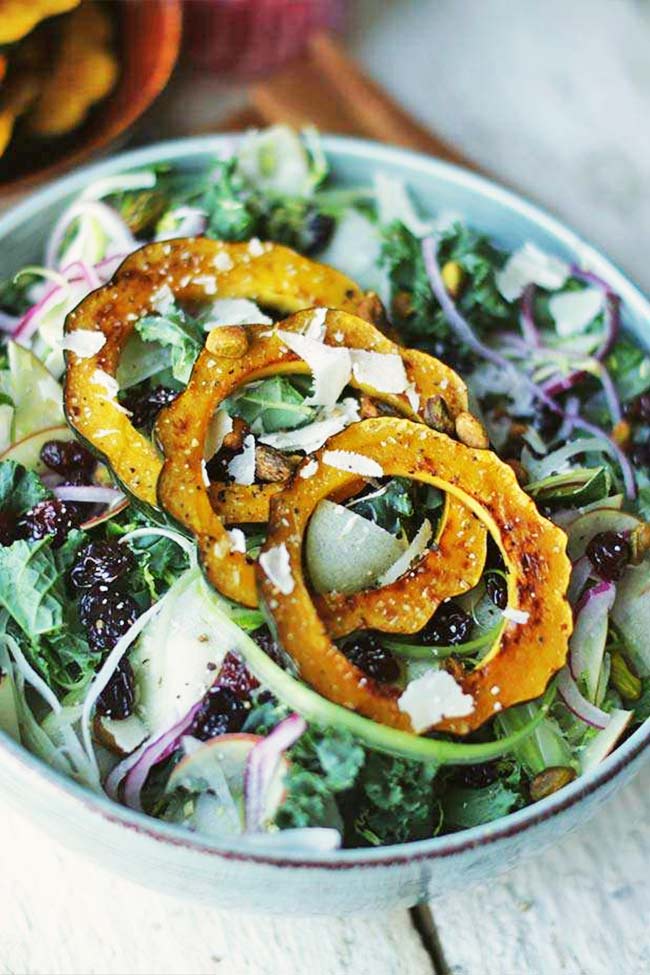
19 17
181 430
533 642
85 71
453 565
195 270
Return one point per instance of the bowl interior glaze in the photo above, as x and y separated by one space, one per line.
238 875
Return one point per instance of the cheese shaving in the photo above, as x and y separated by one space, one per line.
381 371
277 568
432 697
242 467
331 368
84 343
348 460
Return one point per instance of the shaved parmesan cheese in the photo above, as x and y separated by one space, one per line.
235 311
530 265
394 203
237 540
277 568
255 247
432 697
208 282
515 615
242 467
309 438
417 547
572 311
316 327
84 343
309 469
220 425
381 371
331 368
413 397
223 261
107 382
162 300
348 460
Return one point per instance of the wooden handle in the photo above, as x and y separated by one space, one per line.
327 89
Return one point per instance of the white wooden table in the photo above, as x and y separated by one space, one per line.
556 98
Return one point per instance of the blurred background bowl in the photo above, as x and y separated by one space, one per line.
148 36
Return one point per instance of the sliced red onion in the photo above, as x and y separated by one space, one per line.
135 768
8 323
116 230
562 384
528 325
87 271
155 752
89 493
30 321
579 705
104 515
262 764
464 331
587 644
612 309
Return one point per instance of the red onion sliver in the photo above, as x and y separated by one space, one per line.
579 705
587 644
262 764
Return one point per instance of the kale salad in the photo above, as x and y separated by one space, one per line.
322 520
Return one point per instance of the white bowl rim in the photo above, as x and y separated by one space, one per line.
37 774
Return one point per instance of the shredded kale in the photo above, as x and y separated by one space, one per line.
20 489
178 331
400 505
393 802
464 807
273 404
629 367
34 597
418 315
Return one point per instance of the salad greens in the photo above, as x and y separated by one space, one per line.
115 667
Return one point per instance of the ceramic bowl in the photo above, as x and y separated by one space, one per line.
231 875
148 40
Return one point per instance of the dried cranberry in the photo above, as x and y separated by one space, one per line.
547 421
107 614
639 409
49 517
235 675
8 528
118 697
264 639
497 589
640 454
223 711
69 459
317 230
609 553
449 626
101 562
366 652
145 405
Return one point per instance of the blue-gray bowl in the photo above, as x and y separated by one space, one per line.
232 875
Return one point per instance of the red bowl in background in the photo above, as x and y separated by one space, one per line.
246 38
148 40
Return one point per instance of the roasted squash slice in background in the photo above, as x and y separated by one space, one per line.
533 641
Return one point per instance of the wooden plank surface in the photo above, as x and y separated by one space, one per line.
61 915
581 908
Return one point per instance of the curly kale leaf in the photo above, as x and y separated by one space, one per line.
418 315
393 801
20 489
43 617
177 331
